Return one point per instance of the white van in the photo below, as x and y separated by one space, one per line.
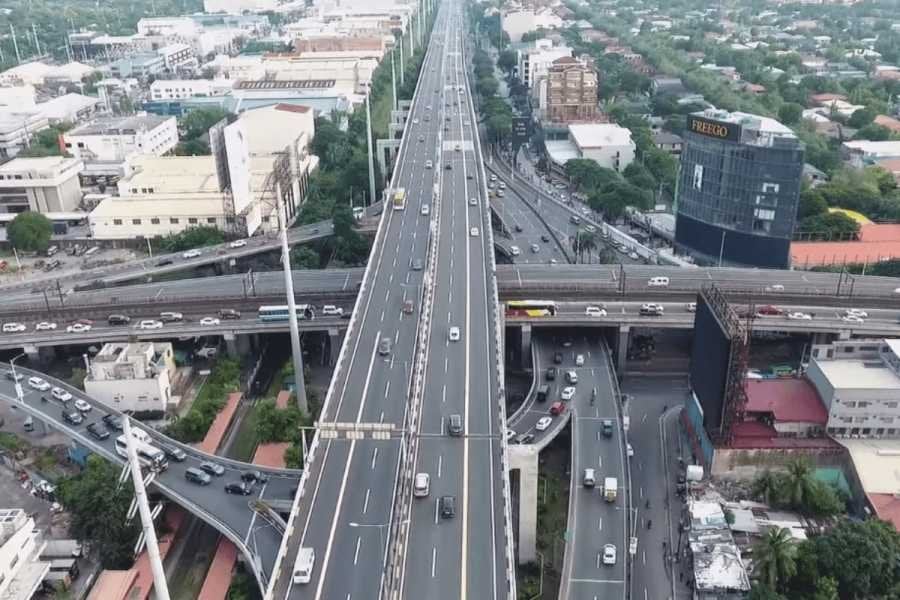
422 485
303 566
332 310
589 479
658 282
140 434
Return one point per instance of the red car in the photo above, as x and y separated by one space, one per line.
556 408
768 309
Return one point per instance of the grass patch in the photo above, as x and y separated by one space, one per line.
245 439
11 442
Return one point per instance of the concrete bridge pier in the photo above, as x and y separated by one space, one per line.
822 337
236 344
622 349
39 354
524 459
335 339
526 344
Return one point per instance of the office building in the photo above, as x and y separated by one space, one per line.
534 62
132 376
859 384
21 542
17 130
138 65
738 189
177 55
177 89
47 184
568 93
607 144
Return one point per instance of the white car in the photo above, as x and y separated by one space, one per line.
579 360
237 244
83 406
853 319
799 316
209 321
429 164
78 328
658 282
191 254
38 384
857 313
454 334
415 121
330 310
473 232
543 423
13 327
775 288
61 394
691 307
609 554
150 324
629 450
594 311
473 201
568 393
514 250
45 326
426 210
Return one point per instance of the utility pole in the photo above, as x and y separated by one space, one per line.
160 587
296 349
401 59
37 42
369 143
12 32
393 80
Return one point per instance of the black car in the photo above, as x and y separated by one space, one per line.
557 358
118 319
551 374
174 452
545 238
113 422
254 477
164 262
239 487
97 431
73 417
518 228
448 507
229 313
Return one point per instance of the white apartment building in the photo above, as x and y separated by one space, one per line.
859 384
168 26
535 62
17 129
47 184
21 543
69 108
177 55
164 195
177 89
347 74
113 139
517 22
132 376
607 144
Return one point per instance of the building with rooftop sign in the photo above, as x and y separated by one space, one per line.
738 189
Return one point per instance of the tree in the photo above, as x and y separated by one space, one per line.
829 225
304 257
487 86
350 247
30 231
774 558
761 591
46 142
799 477
588 176
860 118
638 175
193 237
275 424
873 132
99 506
194 131
766 487
507 60
812 203
790 113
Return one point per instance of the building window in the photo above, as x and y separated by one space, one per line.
192 220
154 221
211 220
135 221
173 220
117 221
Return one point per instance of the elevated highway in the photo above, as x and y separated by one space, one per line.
251 530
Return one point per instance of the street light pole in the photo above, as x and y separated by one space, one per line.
369 144
12 366
296 348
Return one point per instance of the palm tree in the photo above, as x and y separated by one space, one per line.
766 486
584 241
799 481
774 557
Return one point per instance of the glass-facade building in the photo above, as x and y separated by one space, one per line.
738 190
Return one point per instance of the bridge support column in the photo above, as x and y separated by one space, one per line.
38 354
844 334
524 459
236 345
822 337
525 357
622 349
335 338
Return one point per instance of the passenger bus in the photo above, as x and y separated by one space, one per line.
149 456
281 313
531 308
399 199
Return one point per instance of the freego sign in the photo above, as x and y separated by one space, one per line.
714 129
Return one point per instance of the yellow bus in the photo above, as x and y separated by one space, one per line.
399 199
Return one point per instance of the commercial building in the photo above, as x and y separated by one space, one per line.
860 153
17 130
334 43
21 570
534 62
140 66
69 108
177 55
738 189
176 89
337 72
518 21
609 145
47 184
132 376
258 161
568 93
859 384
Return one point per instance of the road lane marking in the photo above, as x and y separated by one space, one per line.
374 457
366 501
440 465
433 560
356 552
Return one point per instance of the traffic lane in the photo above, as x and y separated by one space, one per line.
648 399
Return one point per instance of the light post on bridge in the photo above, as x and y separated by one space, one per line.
12 366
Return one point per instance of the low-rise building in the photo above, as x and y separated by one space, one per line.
177 55
668 142
860 153
238 7
718 569
69 108
17 130
46 184
177 89
17 97
140 66
859 384
132 376
518 21
607 144
21 543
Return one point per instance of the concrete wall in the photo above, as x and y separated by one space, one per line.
730 463
132 394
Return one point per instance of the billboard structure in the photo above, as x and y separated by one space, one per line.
719 363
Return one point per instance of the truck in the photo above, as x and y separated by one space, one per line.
303 565
610 489
399 199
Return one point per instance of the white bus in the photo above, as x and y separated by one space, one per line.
149 456
281 313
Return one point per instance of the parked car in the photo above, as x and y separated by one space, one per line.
114 422
97 431
543 423
73 417
212 468
39 384
241 488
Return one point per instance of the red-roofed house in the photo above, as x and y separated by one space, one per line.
790 407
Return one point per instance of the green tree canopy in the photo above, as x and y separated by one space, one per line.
193 237
30 231
304 257
790 113
812 203
507 60
277 425
829 225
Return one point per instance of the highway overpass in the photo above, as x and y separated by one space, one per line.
257 533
